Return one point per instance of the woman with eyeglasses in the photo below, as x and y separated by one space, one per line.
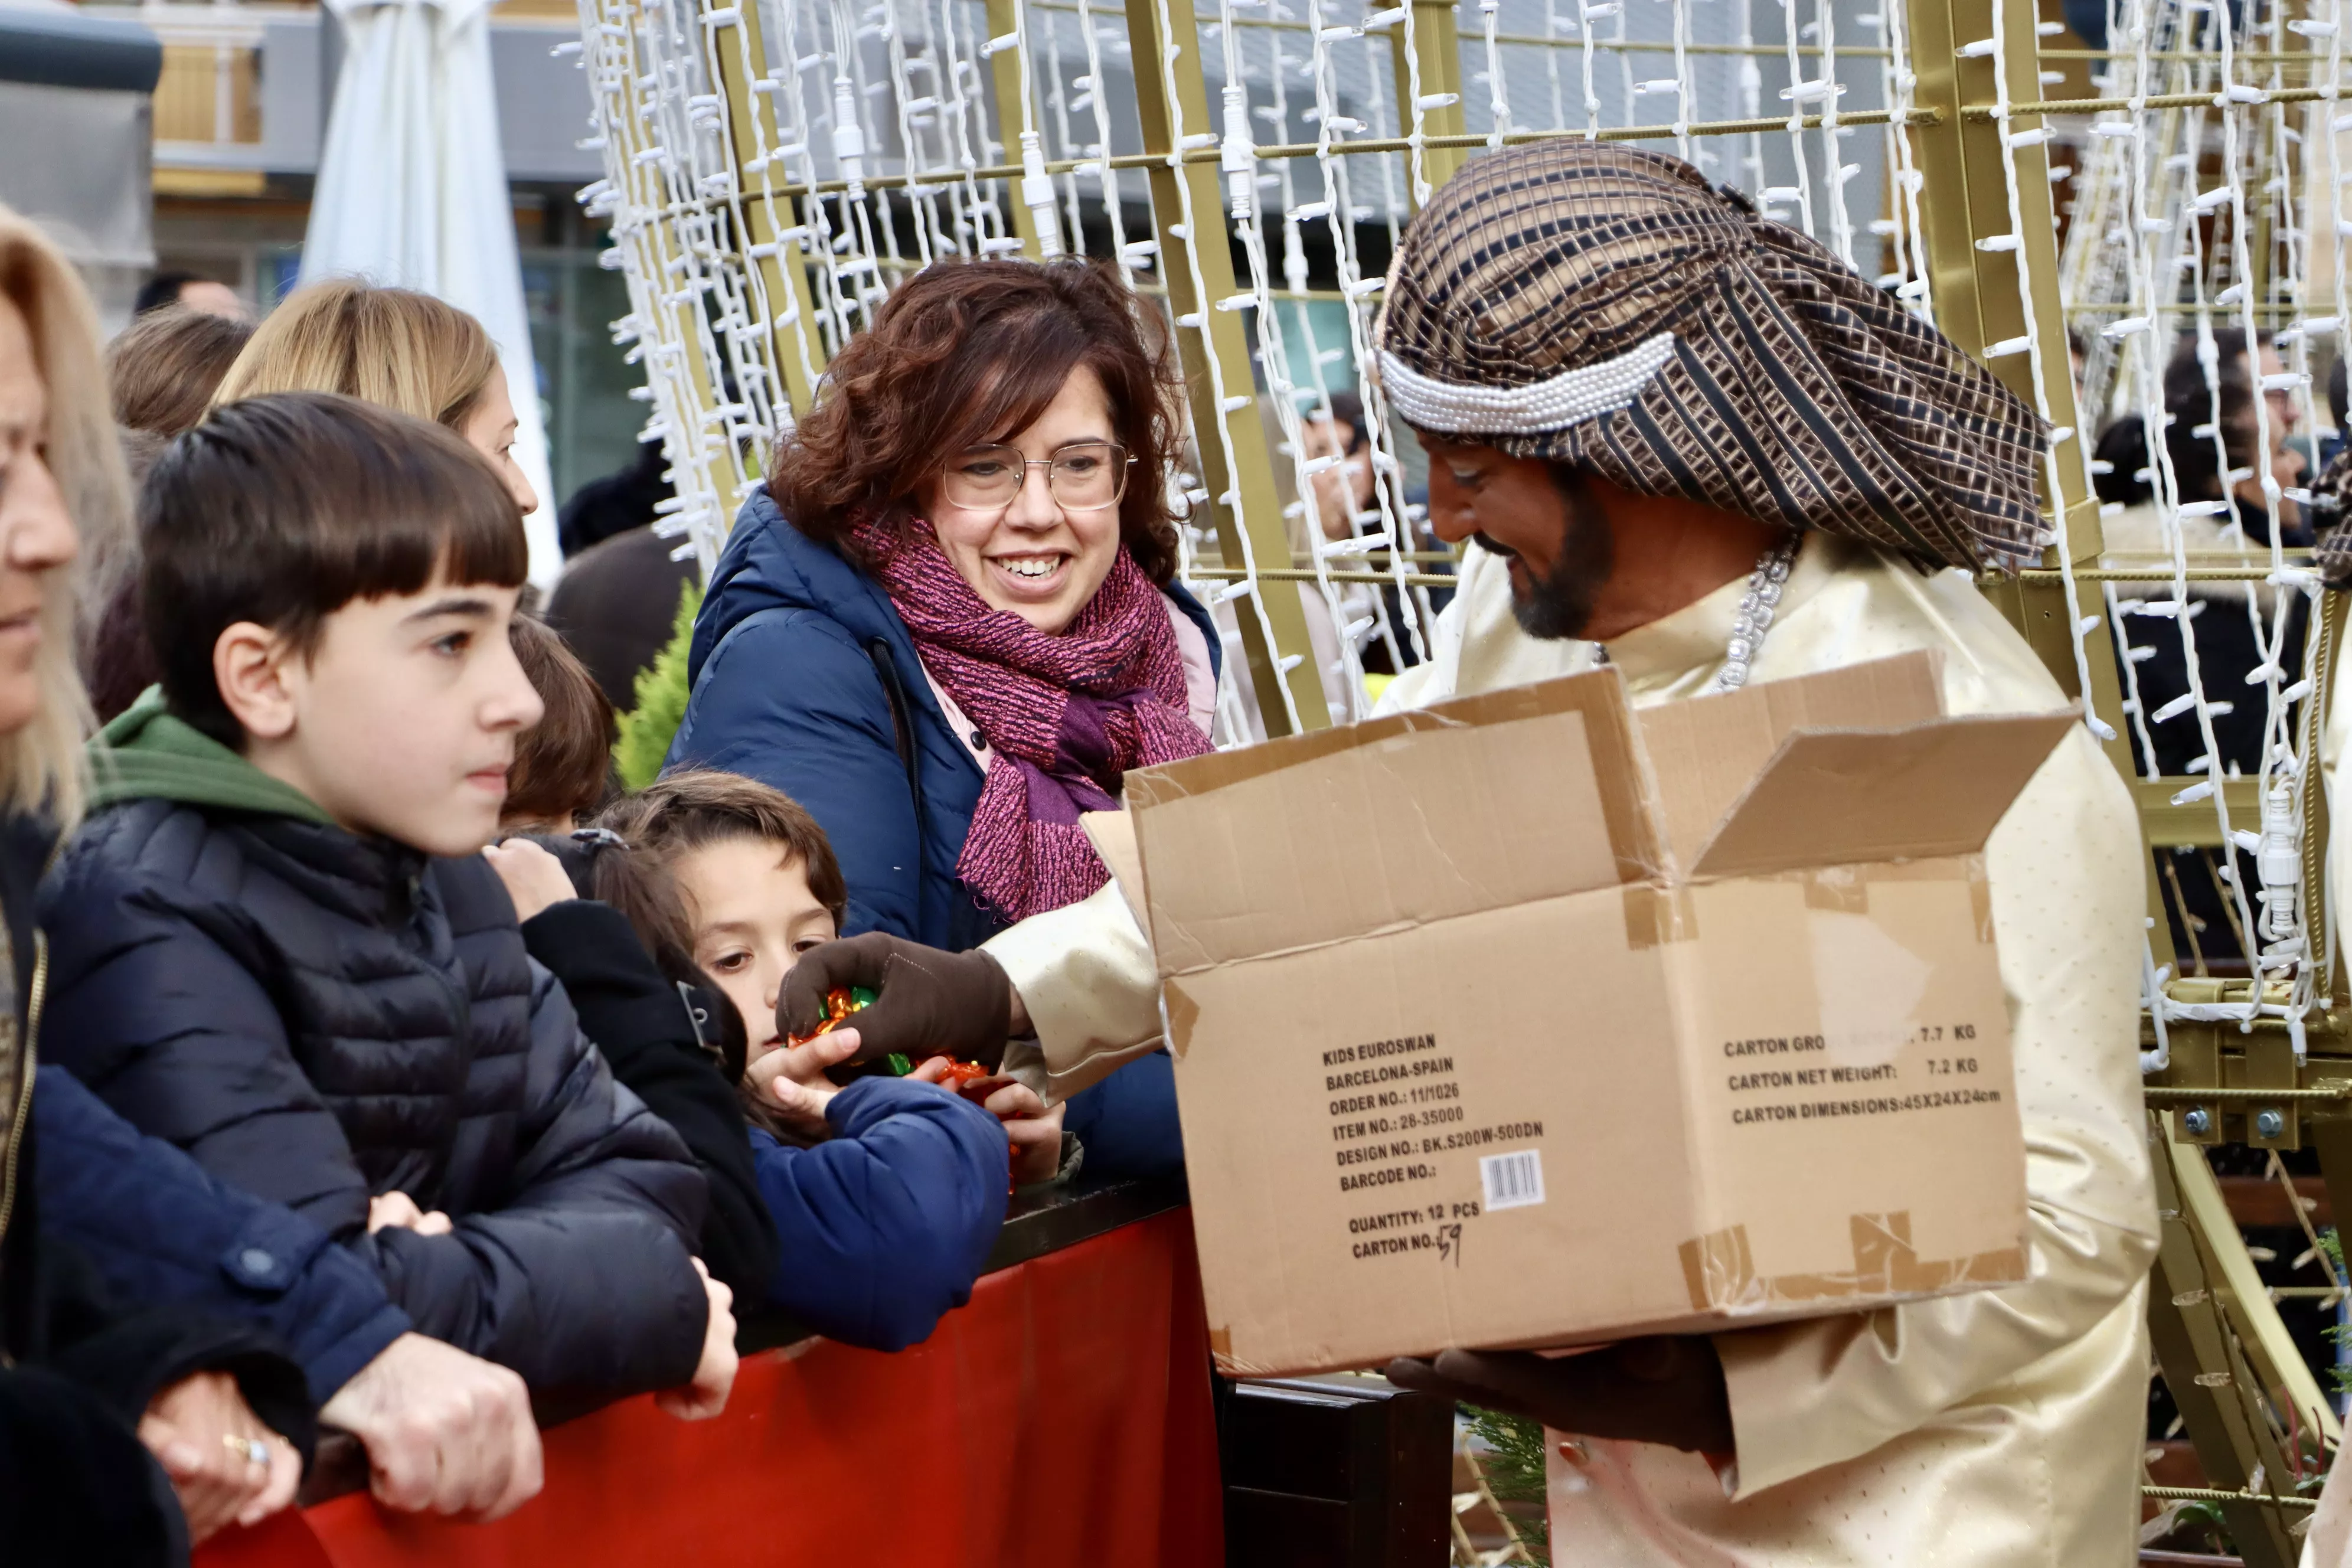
950 623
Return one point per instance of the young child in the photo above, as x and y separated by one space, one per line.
885 1223
563 764
278 947
606 924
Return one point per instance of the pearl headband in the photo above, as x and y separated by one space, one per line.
1455 408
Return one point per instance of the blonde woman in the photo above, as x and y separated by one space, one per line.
133 1368
391 346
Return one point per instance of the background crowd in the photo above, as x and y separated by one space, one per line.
373 1060
2242 466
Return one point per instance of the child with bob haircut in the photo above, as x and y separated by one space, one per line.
609 927
277 946
885 1221
563 766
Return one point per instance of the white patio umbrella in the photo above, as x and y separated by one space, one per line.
412 193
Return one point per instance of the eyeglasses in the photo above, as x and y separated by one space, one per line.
1085 477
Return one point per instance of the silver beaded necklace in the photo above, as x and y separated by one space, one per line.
1756 608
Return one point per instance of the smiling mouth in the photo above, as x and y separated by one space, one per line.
1029 570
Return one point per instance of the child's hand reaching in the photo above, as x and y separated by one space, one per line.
791 1078
399 1211
535 879
1035 1132
714 1377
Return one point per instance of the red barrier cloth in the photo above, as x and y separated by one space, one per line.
1061 1418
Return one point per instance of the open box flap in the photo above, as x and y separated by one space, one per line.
1831 797
1706 751
1112 833
1485 804
1599 695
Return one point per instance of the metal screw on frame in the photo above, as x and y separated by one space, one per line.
2269 1124
2197 1121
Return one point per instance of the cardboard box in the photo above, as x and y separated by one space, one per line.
1531 1020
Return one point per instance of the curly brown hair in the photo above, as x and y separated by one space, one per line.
972 351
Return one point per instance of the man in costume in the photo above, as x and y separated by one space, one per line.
1687 440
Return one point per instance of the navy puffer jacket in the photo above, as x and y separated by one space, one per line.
157 1229
318 1018
805 678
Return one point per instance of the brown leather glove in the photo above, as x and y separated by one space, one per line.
1667 1389
927 1003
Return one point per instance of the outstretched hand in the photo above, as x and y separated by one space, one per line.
926 1002
1667 1389
535 879
791 1078
1033 1131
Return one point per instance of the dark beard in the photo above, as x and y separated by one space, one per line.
1558 604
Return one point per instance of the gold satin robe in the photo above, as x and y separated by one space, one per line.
1997 1428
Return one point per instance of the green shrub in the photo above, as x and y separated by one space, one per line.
647 728
1515 1473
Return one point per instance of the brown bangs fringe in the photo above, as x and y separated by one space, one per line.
282 509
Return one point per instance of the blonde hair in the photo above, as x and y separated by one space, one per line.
393 347
41 765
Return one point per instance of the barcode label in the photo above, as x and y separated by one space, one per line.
1512 1181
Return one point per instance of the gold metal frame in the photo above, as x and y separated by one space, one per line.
2244 1392
1242 504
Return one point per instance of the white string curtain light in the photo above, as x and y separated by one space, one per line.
2194 215
888 110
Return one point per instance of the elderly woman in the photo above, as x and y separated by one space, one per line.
391 346
950 623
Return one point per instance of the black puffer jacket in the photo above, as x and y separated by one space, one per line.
318 1018
641 1024
80 1362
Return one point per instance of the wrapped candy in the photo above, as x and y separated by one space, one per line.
843 1001
839 1003
970 1079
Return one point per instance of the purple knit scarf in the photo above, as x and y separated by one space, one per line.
1068 715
